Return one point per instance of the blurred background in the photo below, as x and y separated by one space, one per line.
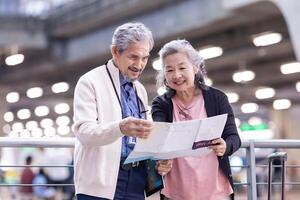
251 50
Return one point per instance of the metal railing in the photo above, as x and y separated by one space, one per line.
249 146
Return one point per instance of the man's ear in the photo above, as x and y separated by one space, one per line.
114 51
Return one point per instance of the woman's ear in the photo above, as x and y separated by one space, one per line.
196 69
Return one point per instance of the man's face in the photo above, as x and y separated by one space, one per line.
133 60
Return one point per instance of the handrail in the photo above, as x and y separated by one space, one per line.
274 143
248 145
69 142
37 142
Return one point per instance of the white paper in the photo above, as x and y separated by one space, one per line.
173 140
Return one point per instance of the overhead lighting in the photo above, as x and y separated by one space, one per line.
8 116
31 125
6 128
232 97
38 132
24 133
211 52
62 108
208 82
243 76
281 104
18 126
41 111
60 87
254 121
157 64
63 130
298 86
24 113
62 120
161 90
267 38
34 92
47 122
264 93
290 68
249 107
14 59
13 134
12 97
50 132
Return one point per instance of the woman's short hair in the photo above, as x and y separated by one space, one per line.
182 46
131 32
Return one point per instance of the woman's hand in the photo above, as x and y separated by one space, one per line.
164 166
219 146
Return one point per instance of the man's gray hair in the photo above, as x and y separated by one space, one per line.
182 46
131 32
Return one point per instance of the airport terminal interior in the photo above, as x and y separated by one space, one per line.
251 50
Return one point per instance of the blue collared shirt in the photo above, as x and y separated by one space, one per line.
130 107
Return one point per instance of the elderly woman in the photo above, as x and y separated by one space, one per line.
187 97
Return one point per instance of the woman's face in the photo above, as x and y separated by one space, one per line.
179 72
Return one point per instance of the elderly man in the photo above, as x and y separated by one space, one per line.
109 114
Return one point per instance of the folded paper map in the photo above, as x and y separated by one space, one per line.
178 139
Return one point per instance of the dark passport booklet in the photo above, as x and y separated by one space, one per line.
154 180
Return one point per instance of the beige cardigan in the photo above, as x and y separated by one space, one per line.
97 114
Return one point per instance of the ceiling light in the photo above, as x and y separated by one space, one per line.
157 64
265 39
281 104
60 87
13 134
208 82
8 116
34 92
232 97
63 120
14 59
243 76
6 128
37 132
298 86
24 133
63 130
254 121
47 122
41 111
290 68
18 126
264 93
31 125
161 90
50 132
12 97
211 52
24 113
62 108
249 107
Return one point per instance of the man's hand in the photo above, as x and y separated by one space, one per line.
164 166
135 127
219 148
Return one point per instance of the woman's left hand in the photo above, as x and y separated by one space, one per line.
164 166
219 146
